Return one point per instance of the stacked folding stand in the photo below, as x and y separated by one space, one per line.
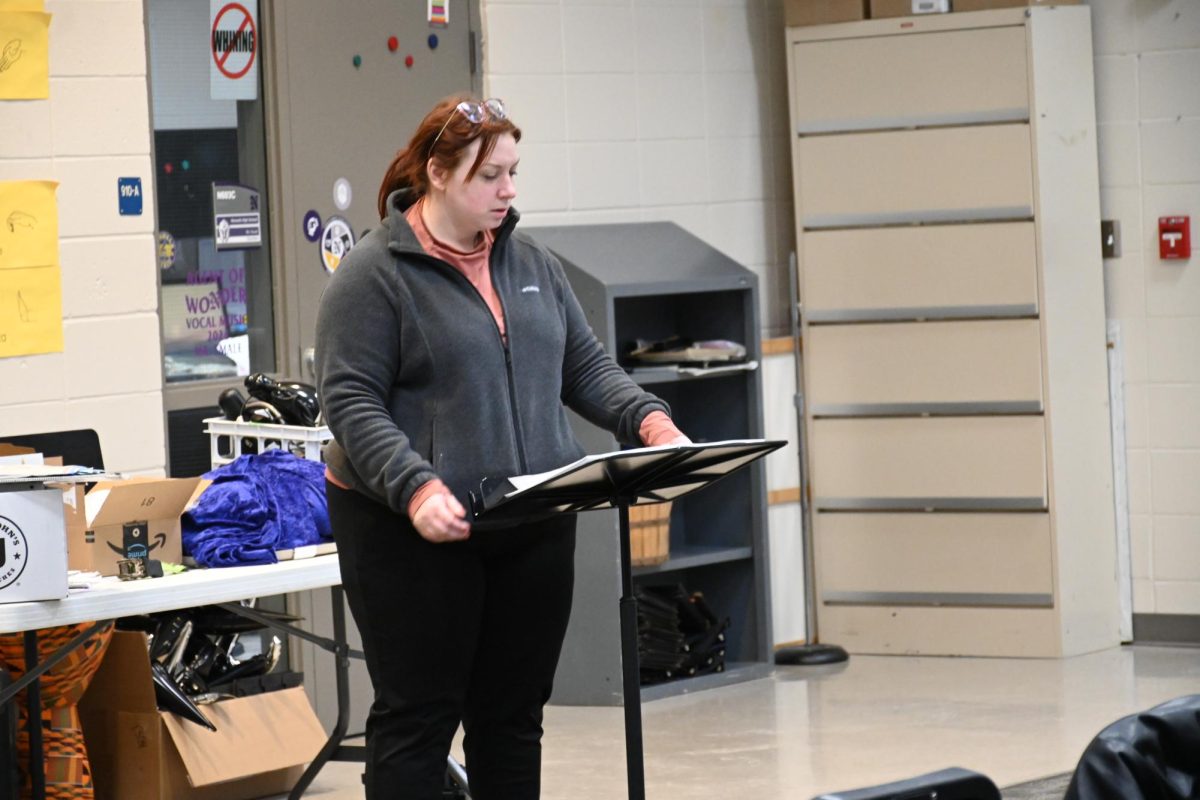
678 634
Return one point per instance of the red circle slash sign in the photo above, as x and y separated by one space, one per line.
221 54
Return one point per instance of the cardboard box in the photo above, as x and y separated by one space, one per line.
261 745
891 8
33 545
137 518
822 12
79 553
983 5
17 454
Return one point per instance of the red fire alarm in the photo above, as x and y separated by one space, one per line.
1174 238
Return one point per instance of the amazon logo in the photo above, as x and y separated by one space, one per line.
135 542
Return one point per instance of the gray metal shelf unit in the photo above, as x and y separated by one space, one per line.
650 281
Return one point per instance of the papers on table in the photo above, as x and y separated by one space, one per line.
46 473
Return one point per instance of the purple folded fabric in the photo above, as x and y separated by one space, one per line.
255 506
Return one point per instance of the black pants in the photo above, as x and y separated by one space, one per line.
464 632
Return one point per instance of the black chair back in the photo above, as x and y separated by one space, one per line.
80 447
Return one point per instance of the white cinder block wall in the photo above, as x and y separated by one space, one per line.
1148 110
94 129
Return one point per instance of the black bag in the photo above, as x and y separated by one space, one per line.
1154 754
954 783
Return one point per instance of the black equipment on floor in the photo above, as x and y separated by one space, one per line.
1151 755
679 636
954 783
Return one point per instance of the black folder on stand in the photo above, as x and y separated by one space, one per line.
618 480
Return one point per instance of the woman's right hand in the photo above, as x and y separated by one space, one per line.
441 518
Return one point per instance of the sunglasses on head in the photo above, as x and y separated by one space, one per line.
475 113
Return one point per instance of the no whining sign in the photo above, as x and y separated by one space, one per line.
233 49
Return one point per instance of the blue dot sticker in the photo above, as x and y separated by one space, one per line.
312 226
433 41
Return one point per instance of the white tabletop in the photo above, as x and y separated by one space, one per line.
197 587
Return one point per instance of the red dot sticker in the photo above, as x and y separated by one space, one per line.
393 43
408 61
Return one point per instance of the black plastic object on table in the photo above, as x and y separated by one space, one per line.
296 402
231 402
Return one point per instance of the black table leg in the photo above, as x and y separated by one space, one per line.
630 669
33 703
341 655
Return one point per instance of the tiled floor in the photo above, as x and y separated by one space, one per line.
805 731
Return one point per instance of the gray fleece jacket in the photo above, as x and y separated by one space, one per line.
417 383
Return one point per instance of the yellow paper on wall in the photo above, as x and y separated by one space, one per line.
28 224
24 55
22 5
31 311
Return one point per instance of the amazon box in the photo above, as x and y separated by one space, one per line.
260 747
822 12
33 545
136 518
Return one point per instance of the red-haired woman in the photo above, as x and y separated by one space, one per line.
449 348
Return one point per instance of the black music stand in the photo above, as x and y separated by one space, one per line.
619 480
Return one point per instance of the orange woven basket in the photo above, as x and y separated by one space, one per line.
650 534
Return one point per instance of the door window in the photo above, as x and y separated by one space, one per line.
210 192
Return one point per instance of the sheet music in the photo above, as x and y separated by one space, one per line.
522 483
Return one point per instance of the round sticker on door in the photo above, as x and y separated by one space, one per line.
343 195
166 250
336 241
312 226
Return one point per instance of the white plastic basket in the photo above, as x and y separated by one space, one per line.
298 439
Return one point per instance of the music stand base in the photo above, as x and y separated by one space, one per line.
810 655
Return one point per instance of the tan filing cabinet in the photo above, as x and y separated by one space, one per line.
956 410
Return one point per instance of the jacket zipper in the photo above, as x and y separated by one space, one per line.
518 440
508 367
512 390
